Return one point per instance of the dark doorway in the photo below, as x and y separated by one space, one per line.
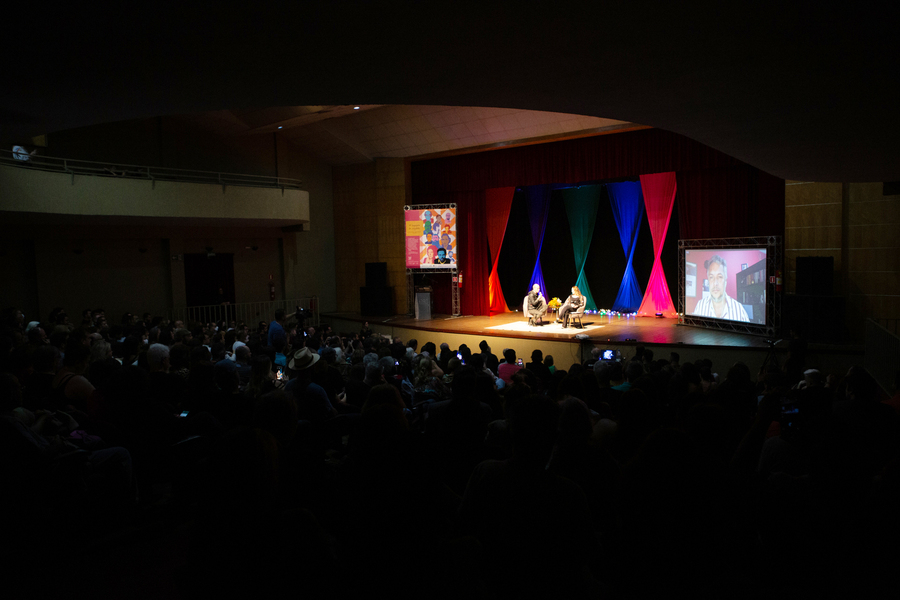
205 275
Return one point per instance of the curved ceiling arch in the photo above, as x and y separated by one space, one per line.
801 93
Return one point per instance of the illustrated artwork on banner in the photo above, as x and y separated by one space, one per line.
431 238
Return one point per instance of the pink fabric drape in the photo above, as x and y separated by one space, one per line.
498 202
659 198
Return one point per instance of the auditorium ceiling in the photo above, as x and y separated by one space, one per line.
805 91
342 135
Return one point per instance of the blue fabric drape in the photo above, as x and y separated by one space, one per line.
581 208
537 198
628 210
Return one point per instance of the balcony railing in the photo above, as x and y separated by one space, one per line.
75 167
250 313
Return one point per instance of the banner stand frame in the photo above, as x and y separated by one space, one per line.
454 288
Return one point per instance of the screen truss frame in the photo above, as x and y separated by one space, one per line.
774 246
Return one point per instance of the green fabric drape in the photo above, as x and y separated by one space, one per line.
581 208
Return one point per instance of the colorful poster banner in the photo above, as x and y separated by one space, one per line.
431 238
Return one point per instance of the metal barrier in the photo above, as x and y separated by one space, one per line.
249 313
882 354
102 169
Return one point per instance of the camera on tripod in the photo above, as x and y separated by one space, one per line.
300 315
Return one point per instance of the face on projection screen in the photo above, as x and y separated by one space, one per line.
431 238
726 284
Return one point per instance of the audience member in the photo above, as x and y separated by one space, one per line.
491 482
490 359
509 366
312 401
276 330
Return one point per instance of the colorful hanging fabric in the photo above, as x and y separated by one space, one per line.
659 198
628 210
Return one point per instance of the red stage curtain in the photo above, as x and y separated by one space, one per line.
571 161
718 195
498 202
735 201
659 198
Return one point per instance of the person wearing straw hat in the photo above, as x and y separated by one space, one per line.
312 401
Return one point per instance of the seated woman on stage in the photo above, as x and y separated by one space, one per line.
573 302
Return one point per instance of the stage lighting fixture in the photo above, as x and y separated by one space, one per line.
659 315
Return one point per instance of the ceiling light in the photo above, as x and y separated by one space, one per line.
355 108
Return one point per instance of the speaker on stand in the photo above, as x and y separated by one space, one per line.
376 299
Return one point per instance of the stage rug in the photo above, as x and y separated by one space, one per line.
547 327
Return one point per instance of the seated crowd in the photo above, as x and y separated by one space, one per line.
308 458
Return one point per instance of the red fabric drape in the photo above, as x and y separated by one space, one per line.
659 198
498 202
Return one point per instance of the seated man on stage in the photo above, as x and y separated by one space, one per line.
535 306
573 302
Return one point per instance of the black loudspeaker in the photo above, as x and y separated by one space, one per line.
815 275
376 274
820 318
376 301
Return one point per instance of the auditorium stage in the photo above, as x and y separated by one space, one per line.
662 336
599 329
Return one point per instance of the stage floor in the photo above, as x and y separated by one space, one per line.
662 335
598 329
